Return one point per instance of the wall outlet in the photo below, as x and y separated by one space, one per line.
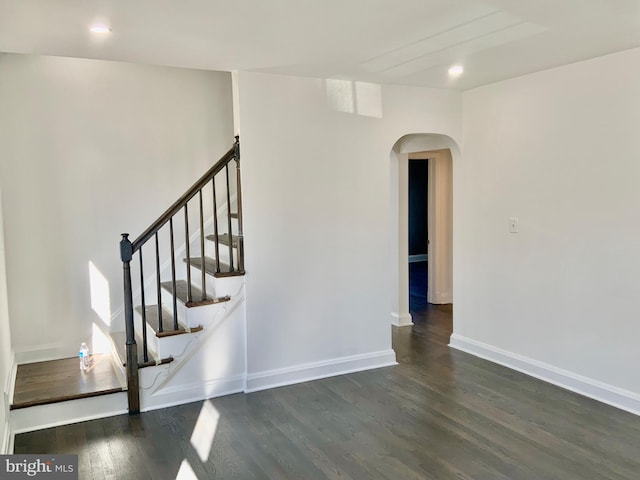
513 225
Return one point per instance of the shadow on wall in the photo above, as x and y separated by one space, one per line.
399 229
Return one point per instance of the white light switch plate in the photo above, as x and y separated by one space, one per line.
513 225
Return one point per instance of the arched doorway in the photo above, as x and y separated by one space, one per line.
441 152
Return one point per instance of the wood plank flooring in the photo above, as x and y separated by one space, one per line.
60 380
440 414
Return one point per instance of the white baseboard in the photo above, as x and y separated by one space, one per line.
6 441
12 441
441 298
65 413
44 353
189 393
401 320
605 393
6 445
316 370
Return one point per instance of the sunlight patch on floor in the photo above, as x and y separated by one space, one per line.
205 430
186 472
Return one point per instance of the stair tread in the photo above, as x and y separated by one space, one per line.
223 238
196 294
119 340
167 321
210 267
54 381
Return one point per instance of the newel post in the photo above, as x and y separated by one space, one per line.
236 147
133 391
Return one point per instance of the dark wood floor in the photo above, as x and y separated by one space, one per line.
440 414
59 380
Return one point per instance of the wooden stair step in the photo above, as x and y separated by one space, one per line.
54 381
167 322
210 268
196 294
119 340
223 238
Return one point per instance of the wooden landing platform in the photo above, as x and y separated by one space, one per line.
56 381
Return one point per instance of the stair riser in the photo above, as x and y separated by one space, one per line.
163 347
217 287
175 345
229 286
191 317
71 411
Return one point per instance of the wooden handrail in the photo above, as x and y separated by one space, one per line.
188 195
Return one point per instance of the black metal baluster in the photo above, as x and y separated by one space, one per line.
204 281
133 386
145 352
215 224
188 246
158 287
226 169
239 205
173 277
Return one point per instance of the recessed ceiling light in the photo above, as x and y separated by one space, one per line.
456 70
99 28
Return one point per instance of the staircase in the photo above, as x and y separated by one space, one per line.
188 268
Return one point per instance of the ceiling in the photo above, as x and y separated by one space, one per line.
409 42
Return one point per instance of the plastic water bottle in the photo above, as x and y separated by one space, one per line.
83 354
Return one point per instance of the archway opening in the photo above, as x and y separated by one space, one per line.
440 151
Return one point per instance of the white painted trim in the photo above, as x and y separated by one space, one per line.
6 442
193 392
605 393
401 320
12 440
6 446
44 353
442 298
244 332
440 226
71 411
424 257
11 379
316 370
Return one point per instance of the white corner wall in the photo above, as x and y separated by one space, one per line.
91 149
559 150
6 354
317 200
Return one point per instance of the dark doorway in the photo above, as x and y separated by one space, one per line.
418 234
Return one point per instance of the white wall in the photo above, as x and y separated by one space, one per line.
82 142
6 354
316 184
559 149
